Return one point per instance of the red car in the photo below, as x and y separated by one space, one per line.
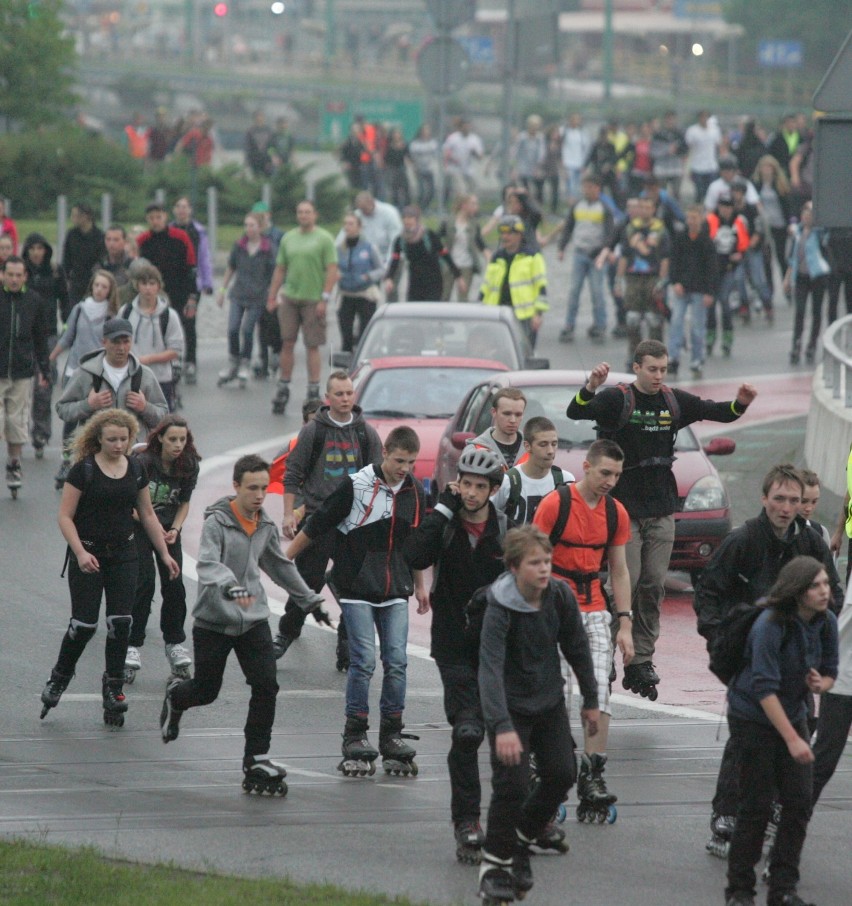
704 516
421 392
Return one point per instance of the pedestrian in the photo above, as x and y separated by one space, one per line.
729 233
504 437
668 150
724 184
248 274
306 268
703 139
256 144
791 652
785 142
773 188
23 357
395 171
694 280
171 462
551 168
350 154
424 254
7 248
281 145
461 149
528 153
575 150
601 162
654 414
337 442
102 490
529 617
198 143
184 219
462 540
373 513
754 259
83 249
594 532
807 276
231 613
158 339
750 148
360 271
423 153
811 493
743 569
268 329
8 227
517 278
117 262
84 334
380 224
463 240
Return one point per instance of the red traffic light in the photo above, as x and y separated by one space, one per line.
220 10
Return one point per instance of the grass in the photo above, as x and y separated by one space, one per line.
34 874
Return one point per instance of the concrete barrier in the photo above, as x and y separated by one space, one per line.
828 436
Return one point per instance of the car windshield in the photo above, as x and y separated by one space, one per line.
418 392
419 336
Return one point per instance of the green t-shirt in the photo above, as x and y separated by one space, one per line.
306 257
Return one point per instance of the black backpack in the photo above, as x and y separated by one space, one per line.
727 650
319 444
164 318
629 404
515 484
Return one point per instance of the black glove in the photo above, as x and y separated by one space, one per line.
451 501
321 616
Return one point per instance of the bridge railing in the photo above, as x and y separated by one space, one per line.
837 360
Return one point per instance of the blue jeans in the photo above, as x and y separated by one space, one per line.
584 266
723 299
694 304
362 623
754 268
242 317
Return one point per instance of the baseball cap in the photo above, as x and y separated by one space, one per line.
510 223
117 327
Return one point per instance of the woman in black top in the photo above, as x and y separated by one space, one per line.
100 494
171 462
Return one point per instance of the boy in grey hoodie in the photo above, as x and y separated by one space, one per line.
239 541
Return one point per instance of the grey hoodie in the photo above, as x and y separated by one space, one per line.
148 335
228 557
486 441
519 669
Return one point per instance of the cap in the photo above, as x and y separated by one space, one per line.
510 223
117 327
260 207
724 199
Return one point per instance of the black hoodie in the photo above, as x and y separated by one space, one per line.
48 281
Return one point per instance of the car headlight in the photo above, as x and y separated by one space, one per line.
708 493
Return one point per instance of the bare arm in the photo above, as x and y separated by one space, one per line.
621 594
277 279
297 545
154 530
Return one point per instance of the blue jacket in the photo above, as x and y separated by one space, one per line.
360 266
779 656
817 265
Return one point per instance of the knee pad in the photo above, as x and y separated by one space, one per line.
81 632
468 734
633 319
118 628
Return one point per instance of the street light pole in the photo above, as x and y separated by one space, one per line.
510 61
607 51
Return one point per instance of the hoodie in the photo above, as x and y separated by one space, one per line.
228 557
48 281
148 335
519 667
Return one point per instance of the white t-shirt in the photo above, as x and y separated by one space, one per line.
115 376
532 492
575 148
460 151
703 142
719 187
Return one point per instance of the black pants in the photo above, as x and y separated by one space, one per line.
815 288
727 794
513 805
189 332
268 338
115 580
461 705
257 661
352 307
835 720
766 766
173 608
836 280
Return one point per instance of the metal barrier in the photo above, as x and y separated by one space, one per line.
837 359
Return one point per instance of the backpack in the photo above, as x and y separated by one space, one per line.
319 444
135 380
727 650
164 318
514 501
629 404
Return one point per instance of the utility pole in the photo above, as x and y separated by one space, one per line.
510 70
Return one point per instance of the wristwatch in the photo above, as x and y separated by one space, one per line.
326 297
625 613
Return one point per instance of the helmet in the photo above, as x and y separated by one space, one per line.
477 461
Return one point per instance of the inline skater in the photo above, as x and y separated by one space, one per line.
231 613
101 491
504 437
462 540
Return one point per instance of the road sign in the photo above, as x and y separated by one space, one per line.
450 14
442 66
480 50
337 116
780 54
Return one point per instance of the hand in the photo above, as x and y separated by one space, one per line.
536 322
678 289
388 286
746 394
816 682
208 290
43 381
321 309
272 303
171 536
100 400
618 289
288 526
136 400
624 641
221 300
321 616
88 563
836 541
241 596
191 308
171 565
787 286
590 718
422 597
450 497
597 376
508 748
801 751
462 284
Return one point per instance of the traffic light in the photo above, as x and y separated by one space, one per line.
220 9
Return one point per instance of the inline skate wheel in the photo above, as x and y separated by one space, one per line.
652 693
611 815
14 493
44 711
561 814
582 814
113 720
130 675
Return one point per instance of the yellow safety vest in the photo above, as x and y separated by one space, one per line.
527 280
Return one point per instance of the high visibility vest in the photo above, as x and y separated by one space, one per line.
527 279
137 141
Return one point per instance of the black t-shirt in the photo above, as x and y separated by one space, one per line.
167 491
510 451
105 511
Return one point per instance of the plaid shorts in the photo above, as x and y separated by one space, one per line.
597 625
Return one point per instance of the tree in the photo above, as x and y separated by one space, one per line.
37 62
821 25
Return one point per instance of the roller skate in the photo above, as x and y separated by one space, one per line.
228 375
709 341
397 755
39 443
313 392
190 375
641 678
740 899
596 804
358 755
727 343
281 643
262 775
496 881
722 827
62 474
551 837
769 838
342 662
14 477
179 660
788 899
281 398
469 841
132 664
115 704
52 692
170 715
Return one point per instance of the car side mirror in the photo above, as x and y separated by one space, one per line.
342 360
720 446
460 438
532 363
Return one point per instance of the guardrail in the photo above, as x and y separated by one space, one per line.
837 360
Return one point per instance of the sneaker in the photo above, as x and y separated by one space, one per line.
133 659
566 335
170 716
14 476
178 657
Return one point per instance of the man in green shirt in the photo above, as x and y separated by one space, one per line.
307 268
